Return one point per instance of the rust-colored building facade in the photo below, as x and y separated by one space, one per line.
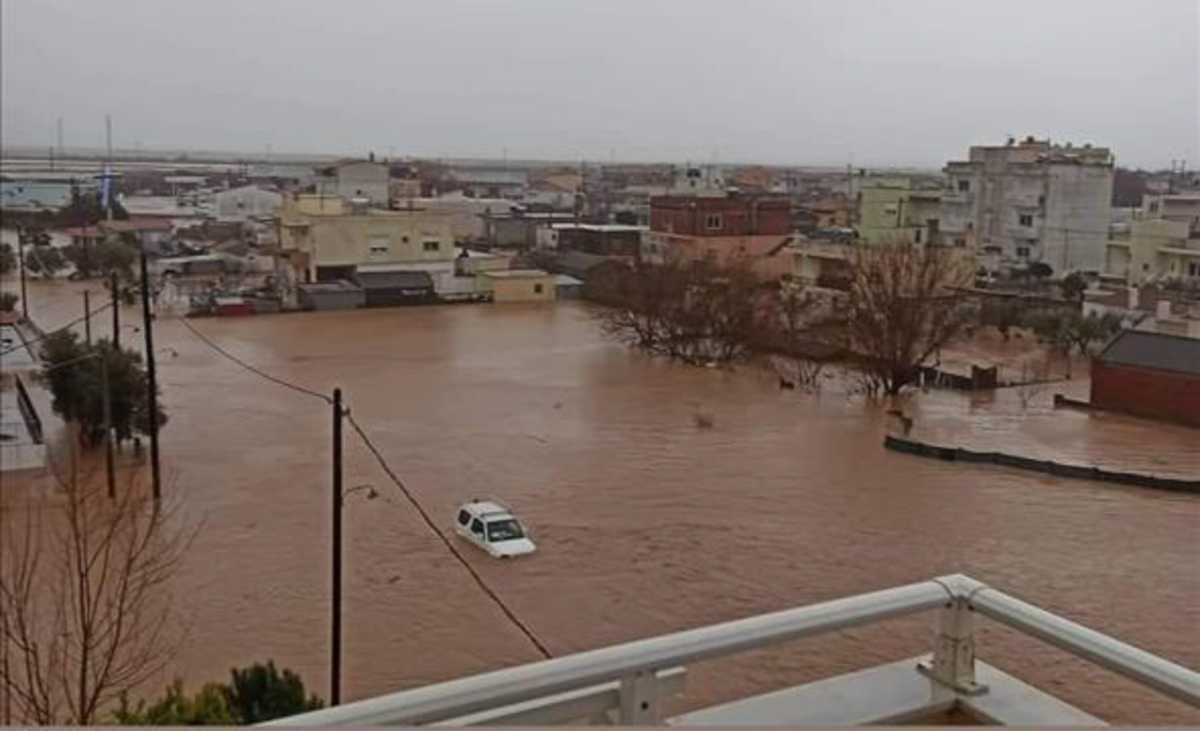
1149 374
730 215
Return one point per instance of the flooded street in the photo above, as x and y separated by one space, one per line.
645 523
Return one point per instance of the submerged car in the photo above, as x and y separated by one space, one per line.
493 528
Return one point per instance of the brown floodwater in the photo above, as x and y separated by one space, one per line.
645 523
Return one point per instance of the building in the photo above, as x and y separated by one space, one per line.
822 213
333 240
468 216
246 203
490 182
149 231
1149 307
355 179
22 443
1160 243
724 228
600 239
1149 374
895 209
519 285
1032 201
41 192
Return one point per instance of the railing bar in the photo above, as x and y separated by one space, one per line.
465 696
1163 675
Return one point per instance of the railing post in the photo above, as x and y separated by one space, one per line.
640 699
953 663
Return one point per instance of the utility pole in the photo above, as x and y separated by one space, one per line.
106 403
87 317
108 214
151 379
21 264
335 649
116 310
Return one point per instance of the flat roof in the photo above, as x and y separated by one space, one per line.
601 227
1160 351
516 274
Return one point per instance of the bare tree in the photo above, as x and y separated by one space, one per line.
901 308
697 311
85 602
795 322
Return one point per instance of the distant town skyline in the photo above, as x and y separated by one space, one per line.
870 83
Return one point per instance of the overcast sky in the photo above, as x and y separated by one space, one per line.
878 82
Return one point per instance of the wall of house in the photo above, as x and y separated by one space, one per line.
377 238
1144 392
522 289
1075 231
239 204
726 216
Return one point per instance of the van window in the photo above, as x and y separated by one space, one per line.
463 517
477 526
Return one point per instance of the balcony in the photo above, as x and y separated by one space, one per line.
628 683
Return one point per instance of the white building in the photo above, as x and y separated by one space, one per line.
245 203
355 179
326 239
1031 201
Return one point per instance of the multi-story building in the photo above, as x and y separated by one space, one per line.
724 227
895 209
355 180
1160 243
328 239
246 203
1030 201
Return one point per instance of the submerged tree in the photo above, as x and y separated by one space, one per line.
76 374
86 612
697 311
901 309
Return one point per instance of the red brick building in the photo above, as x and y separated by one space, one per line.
730 215
1149 374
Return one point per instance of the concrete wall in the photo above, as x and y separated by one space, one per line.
1076 217
238 204
522 289
357 180
725 216
373 238
1144 392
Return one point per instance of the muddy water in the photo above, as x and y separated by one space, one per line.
645 523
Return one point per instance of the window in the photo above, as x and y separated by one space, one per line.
1194 269
432 246
964 186
917 236
477 526
960 242
1026 219
713 222
1154 207
463 517
404 239
379 250
537 289
504 530
1023 252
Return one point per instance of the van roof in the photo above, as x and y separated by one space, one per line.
480 508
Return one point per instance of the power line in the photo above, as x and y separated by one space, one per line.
395 478
252 369
43 336
512 617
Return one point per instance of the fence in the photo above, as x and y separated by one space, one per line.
1050 467
632 680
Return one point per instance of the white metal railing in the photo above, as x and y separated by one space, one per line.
578 686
